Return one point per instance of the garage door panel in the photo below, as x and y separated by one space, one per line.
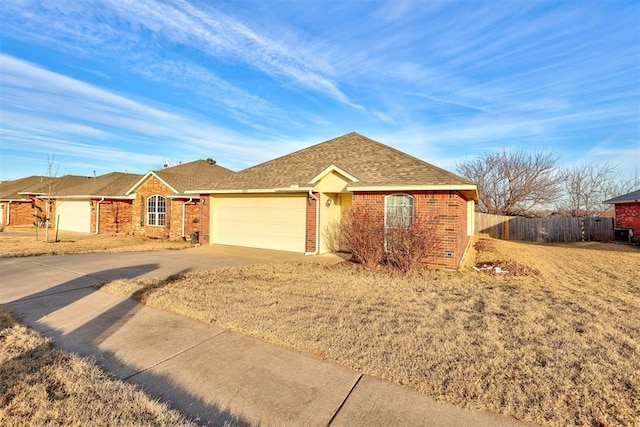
260 222
74 215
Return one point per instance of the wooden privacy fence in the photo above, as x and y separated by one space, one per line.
568 229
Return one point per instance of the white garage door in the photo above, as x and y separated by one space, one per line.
267 222
73 215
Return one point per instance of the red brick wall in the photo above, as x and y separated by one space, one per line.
192 218
151 187
448 209
205 205
20 213
311 225
42 204
628 216
115 216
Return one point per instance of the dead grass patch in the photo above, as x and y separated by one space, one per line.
77 243
557 348
40 385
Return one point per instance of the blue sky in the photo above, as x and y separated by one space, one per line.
121 85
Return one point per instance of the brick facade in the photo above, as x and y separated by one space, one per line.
114 216
192 218
311 224
20 213
628 216
205 206
151 187
448 208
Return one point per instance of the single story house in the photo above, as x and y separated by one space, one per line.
627 212
160 207
291 202
15 208
30 195
100 205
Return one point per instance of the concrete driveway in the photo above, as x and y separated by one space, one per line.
213 375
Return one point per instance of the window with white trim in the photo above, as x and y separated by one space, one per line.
156 211
398 211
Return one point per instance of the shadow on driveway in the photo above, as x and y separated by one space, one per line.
124 338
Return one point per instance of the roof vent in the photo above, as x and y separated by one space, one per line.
211 161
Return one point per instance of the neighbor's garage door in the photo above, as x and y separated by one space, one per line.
266 222
73 215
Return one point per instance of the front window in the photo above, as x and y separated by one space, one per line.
156 211
398 211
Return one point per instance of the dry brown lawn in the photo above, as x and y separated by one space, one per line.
76 243
40 385
558 345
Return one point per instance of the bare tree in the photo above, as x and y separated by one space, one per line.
586 186
513 182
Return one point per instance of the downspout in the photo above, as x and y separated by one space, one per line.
317 223
9 212
184 215
98 214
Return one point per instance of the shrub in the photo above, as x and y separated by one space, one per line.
364 234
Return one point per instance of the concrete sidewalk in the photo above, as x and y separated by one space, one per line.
208 373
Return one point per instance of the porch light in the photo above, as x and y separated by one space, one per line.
328 203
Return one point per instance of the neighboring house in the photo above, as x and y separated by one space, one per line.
161 209
627 212
290 203
15 208
100 200
35 197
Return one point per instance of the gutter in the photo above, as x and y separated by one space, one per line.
184 215
317 224
98 215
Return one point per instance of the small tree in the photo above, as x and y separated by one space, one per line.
513 182
363 233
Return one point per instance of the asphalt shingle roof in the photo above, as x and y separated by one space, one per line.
9 189
194 174
57 184
373 163
625 198
113 184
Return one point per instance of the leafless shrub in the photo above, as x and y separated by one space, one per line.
363 234
407 248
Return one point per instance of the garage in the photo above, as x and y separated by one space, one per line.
74 215
265 222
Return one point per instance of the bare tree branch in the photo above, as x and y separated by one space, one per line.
513 182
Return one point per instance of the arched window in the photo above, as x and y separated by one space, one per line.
398 211
156 211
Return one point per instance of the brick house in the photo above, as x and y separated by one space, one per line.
627 212
100 205
160 207
292 202
22 199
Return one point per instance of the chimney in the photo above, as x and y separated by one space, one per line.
211 161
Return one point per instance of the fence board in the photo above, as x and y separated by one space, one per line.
567 229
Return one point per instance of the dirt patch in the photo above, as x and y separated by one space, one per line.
513 268
485 245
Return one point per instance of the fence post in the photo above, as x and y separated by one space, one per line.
505 228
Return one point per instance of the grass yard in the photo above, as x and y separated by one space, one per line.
15 245
558 344
40 385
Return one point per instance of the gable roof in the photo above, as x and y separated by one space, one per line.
54 185
371 163
187 175
111 185
632 197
